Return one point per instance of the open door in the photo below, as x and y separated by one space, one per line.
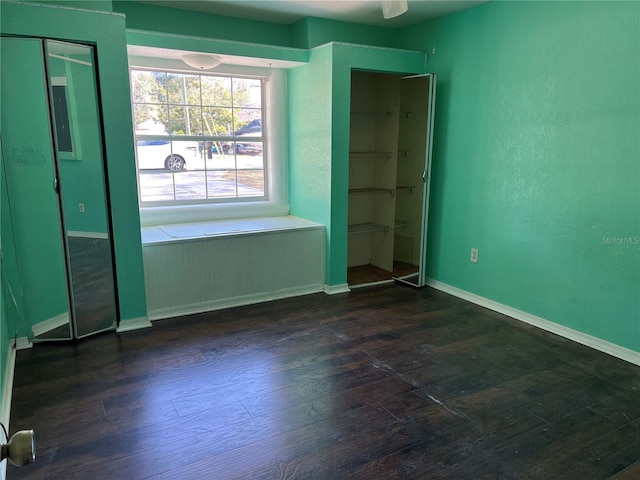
417 111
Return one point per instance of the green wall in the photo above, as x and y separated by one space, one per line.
152 18
9 314
309 117
312 32
307 33
319 122
345 59
81 173
27 162
537 159
107 32
536 142
226 47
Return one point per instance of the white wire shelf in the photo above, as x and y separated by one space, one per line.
374 227
367 228
372 155
386 113
371 191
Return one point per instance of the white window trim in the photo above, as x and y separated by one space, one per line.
275 112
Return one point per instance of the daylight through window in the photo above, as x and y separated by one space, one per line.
199 138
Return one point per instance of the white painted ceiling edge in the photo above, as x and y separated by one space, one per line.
367 12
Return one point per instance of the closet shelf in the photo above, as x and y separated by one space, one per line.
367 228
386 155
374 227
405 188
371 190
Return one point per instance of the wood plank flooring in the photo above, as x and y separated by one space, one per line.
366 274
385 382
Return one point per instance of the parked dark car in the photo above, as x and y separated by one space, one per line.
253 128
239 148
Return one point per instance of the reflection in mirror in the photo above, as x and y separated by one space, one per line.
11 290
37 277
83 199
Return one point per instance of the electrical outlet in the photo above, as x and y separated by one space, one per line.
81 207
474 255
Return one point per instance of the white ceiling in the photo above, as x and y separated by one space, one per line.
367 12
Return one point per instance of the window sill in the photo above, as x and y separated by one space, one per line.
180 232
168 215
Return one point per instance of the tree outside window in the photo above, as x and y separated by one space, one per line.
198 137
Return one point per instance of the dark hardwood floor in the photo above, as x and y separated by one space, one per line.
366 274
384 382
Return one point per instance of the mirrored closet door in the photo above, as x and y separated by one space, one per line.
53 169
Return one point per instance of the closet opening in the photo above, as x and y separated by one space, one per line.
391 129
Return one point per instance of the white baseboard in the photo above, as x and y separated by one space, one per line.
50 324
23 343
612 349
335 289
232 302
7 390
133 324
7 386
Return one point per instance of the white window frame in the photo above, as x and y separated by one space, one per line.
275 152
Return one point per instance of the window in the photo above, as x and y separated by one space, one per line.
199 138
61 115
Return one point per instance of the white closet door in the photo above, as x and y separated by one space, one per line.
417 112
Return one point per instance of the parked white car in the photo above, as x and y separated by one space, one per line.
167 154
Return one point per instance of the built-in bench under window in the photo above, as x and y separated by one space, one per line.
198 267
221 228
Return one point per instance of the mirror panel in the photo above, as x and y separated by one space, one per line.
54 204
79 151
28 164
